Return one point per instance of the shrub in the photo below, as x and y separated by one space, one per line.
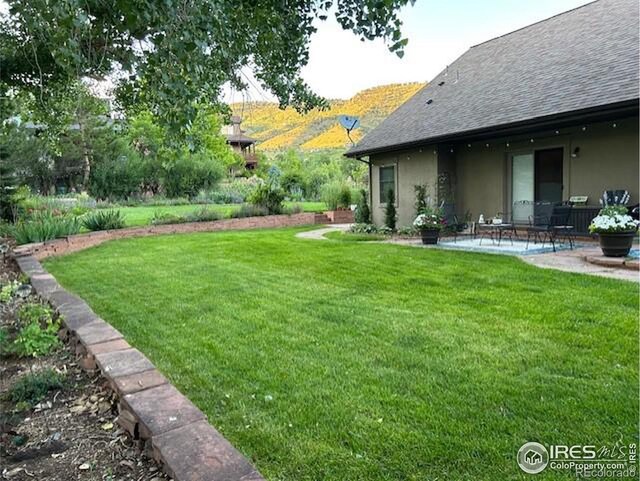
189 173
43 226
344 199
331 194
118 176
8 290
4 340
408 231
249 210
201 215
269 197
35 341
363 213
363 229
421 198
33 387
235 192
390 211
294 209
104 220
34 312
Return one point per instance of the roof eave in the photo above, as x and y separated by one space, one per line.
625 108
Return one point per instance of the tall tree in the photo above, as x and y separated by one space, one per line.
175 55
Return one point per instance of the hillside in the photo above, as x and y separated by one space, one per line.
280 129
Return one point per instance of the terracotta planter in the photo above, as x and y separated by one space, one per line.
616 244
430 236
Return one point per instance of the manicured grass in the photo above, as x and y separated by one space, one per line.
142 215
368 361
353 237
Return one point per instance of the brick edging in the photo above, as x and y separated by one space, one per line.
78 242
150 408
615 262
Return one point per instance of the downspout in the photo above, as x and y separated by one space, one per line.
368 162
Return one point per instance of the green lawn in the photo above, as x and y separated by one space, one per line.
366 361
142 215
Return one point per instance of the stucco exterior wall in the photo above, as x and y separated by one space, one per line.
607 158
412 168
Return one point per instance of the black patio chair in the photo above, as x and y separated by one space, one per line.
560 224
549 223
456 226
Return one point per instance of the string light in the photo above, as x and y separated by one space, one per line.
532 141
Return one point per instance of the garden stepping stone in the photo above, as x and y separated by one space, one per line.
138 382
160 409
95 332
197 452
115 364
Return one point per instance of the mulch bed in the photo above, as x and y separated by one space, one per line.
72 433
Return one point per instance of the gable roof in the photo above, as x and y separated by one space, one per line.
581 59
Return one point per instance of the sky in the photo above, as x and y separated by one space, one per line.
340 65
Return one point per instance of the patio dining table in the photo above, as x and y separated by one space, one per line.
496 232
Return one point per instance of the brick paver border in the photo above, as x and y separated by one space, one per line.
151 409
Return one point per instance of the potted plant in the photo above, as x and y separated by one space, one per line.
430 222
615 230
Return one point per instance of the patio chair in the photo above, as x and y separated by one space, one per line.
560 224
550 222
456 226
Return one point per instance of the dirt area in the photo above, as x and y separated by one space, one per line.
71 434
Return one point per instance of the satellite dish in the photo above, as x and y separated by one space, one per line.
349 123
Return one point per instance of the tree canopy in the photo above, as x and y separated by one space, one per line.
172 56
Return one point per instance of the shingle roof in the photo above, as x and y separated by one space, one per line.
583 58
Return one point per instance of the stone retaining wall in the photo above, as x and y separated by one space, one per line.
174 430
80 242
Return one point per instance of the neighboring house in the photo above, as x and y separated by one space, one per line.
240 143
544 113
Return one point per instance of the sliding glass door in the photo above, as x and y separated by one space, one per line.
536 177
523 191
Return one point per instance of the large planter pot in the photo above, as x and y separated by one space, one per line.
616 244
430 236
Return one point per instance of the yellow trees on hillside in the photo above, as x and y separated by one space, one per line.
281 129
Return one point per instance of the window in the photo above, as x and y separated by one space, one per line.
387 181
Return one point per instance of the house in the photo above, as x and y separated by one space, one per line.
241 143
544 113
